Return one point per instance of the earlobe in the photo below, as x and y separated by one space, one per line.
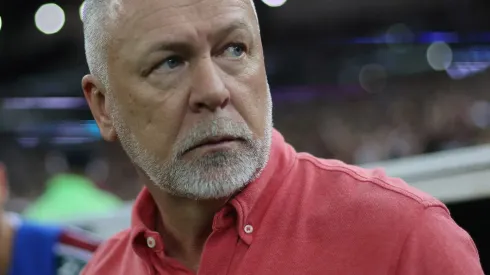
111 135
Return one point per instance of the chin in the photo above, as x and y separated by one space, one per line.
214 180
211 174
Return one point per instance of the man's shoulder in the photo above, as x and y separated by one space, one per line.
362 184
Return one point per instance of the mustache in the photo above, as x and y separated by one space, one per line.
219 127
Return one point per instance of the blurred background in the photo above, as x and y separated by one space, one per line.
402 84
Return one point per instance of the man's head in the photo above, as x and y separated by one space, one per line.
168 75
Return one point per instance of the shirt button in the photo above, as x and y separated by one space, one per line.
248 229
150 242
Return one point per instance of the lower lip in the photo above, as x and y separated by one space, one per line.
214 147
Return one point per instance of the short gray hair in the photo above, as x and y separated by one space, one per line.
96 37
95 17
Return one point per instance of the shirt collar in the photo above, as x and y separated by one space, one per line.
143 215
281 159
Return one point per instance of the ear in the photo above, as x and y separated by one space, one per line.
95 95
3 184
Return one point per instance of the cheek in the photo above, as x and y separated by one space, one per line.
261 101
155 120
251 101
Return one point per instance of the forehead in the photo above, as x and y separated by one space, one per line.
137 17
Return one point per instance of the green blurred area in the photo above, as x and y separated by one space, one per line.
70 196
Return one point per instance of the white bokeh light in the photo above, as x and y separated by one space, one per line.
0 23
274 3
50 18
82 7
439 56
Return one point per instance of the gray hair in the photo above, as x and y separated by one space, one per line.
95 17
96 35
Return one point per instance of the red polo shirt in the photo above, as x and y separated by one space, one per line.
306 215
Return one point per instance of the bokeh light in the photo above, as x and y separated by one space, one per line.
50 18
274 3
439 56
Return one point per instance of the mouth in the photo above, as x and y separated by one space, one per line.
214 141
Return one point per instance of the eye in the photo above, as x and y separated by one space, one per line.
171 63
235 50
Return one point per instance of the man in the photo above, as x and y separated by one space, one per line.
181 84
27 248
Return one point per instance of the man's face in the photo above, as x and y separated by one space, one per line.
184 72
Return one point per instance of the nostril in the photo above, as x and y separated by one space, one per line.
201 105
225 102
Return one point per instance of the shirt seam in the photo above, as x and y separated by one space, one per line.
467 235
405 241
378 181
417 223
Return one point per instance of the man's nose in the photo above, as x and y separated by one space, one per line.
208 90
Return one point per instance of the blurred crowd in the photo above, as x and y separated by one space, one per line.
410 117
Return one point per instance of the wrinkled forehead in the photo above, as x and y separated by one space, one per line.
141 14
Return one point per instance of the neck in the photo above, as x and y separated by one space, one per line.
6 242
184 224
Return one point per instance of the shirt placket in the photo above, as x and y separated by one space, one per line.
218 252
220 247
161 265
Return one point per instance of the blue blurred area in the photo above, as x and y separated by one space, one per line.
425 38
92 128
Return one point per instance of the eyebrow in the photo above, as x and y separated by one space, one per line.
185 46
234 26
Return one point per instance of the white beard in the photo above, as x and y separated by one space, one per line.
215 175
